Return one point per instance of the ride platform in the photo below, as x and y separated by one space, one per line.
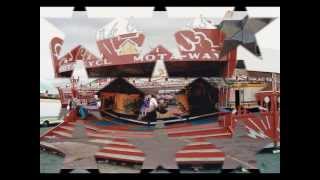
113 139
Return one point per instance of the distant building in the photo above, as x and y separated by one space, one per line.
244 85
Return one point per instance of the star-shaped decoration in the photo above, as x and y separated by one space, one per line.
79 152
154 38
79 30
239 29
160 151
78 155
240 150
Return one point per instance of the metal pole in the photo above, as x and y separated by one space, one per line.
274 109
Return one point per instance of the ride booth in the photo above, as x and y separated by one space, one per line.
198 98
121 98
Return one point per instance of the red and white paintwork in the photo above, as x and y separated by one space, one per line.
193 153
113 137
63 130
199 131
119 150
263 126
200 152
202 45
116 146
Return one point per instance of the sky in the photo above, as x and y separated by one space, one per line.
268 38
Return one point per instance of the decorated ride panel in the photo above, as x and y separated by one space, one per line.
199 49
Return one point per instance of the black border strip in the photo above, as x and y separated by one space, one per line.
168 3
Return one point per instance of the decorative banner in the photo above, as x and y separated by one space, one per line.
158 53
121 49
121 41
200 44
66 63
55 47
194 45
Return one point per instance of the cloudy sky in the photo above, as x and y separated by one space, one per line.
268 38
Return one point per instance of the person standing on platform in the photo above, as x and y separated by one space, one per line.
144 108
153 106
97 101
